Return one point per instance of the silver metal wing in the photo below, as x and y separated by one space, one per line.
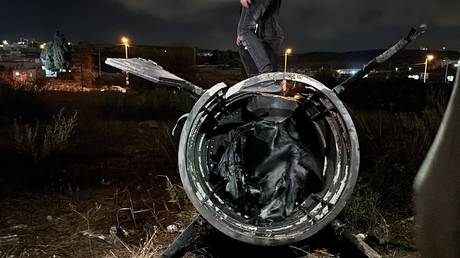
151 71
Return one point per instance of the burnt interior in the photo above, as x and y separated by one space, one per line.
265 154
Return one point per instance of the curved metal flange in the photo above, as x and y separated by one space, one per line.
323 208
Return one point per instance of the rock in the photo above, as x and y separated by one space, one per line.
172 228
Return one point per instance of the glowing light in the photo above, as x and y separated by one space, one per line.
410 69
397 69
125 41
42 46
425 74
347 71
5 42
414 76
17 73
287 52
450 78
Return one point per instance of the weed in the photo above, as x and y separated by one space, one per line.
362 213
87 217
394 145
57 135
40 143
176 192
26 140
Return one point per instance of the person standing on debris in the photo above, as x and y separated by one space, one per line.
259 35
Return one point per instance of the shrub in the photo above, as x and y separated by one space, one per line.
57 135
40 143
26 139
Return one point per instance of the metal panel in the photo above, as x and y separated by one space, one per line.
151 71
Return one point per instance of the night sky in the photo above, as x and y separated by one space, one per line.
321 25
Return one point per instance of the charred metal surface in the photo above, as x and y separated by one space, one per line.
214 172
151 71
387 55
340 163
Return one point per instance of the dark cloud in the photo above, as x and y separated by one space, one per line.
309 25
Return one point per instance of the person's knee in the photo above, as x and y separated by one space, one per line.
245 29
246 37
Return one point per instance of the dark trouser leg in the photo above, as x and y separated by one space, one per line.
249 38
272 50
249 66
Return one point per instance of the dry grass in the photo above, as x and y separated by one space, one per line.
38 143
393 146
362 214
90 227
58 133
176 192
156 240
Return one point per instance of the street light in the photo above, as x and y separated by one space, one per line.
286 54
42 46
428 59
125 42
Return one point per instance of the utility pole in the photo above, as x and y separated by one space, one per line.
286 54
99 53
427 60
125 42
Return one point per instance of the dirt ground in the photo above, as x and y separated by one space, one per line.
116 187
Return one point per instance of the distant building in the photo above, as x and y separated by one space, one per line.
347 71
23 54
25 76
21 60
204 53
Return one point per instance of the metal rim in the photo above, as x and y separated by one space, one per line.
341 166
